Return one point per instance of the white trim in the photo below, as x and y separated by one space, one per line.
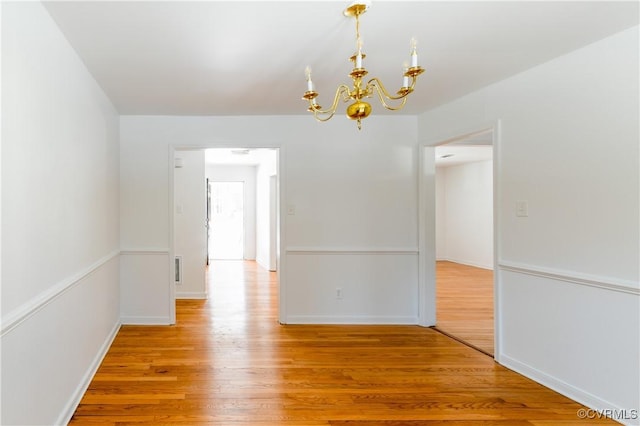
35 304
281 183
352 251
497 238
129 320
426 274
462 262
281 231
462 133
606 283
196 295
352 320
74 401
426 236
171 225
564 388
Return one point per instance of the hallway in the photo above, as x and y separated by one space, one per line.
464 304
229 362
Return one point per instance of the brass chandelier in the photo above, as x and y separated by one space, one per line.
360 109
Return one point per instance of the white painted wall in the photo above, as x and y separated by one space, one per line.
441 214
568 277
568 273
247 175
60 220
190 232
464 221
266 211
361 201
146 288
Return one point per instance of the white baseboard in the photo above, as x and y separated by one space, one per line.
468 263
351 320
70 408
130 320
198 295
572 392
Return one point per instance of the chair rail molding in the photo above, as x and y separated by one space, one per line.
23 312
606 283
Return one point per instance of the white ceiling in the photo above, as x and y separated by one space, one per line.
246 58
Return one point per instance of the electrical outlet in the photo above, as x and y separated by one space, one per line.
338 293
522 209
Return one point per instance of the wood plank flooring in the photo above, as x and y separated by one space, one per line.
228 362
464 304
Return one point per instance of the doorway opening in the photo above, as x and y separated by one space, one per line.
226 206
464 240
226 221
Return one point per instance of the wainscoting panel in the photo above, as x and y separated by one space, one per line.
577 335
352 286
52 347
145 290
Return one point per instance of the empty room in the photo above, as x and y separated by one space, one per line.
122 303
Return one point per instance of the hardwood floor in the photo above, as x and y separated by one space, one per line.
228 362
464 304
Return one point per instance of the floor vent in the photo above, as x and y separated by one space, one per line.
178 269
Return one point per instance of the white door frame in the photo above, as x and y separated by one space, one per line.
273 223
281 240
426 225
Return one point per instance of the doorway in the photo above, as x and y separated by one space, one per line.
464 240
192 169
226 221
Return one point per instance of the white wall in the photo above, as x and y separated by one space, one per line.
247 175
266 211
441 214
361 202
464 214
146 288
190 233
568 273
60 242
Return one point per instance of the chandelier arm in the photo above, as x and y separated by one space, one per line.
382 94
343 89
317 116
375 82
360 109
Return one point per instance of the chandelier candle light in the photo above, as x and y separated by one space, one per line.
360 109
